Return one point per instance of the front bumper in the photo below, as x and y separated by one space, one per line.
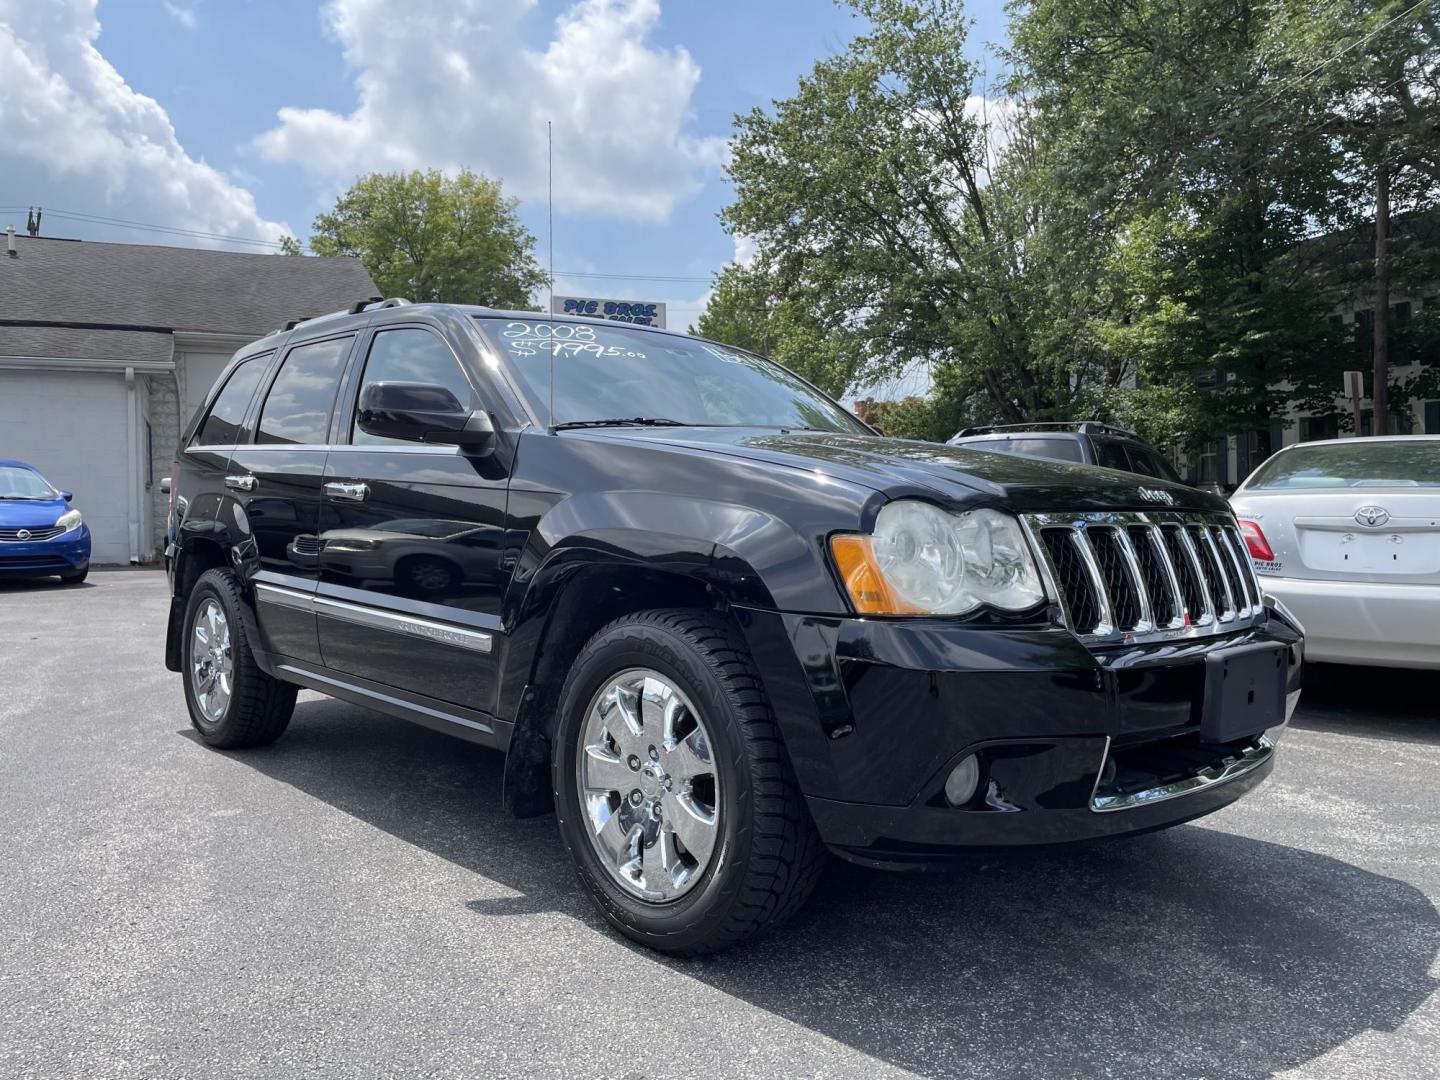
1363 622
1072 743
66 554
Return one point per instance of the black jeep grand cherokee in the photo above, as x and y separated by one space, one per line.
714 621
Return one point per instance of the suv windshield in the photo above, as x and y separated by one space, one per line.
1355 463
609 372
18 483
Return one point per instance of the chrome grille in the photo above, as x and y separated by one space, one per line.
11 534
1156 574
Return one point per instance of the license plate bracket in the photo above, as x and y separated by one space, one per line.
1244 691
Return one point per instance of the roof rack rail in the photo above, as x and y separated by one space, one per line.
354 309
1082 427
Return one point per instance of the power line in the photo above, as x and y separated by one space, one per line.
631 277
171 230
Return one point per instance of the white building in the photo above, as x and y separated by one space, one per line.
106 350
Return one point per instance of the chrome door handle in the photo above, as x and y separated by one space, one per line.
349 492
241 483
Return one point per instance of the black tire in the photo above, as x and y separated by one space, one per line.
75 577
260 705
768 855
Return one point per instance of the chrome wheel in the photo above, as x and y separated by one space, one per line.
212 661
648 785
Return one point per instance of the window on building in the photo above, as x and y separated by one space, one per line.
297 409
1319 427
415 356
221 427
1401 423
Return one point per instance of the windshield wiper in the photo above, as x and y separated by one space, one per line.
634 421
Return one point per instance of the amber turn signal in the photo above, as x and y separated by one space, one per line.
864 581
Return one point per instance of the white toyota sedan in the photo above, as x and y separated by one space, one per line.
1346 533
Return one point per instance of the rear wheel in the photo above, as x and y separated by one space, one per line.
232 702
675 796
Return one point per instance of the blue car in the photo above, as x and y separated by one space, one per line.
40 534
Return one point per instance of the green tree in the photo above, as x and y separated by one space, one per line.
1381 107
1219 127
426 236
290 246
752 309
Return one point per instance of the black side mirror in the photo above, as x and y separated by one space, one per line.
67 495
419 412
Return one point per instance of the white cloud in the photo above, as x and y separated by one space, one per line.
77 137
185 16
452 84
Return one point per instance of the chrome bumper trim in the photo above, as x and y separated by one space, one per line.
1230 769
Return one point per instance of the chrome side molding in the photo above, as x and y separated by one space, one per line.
377 618
1232 768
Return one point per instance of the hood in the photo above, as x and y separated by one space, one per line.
900 466
23 513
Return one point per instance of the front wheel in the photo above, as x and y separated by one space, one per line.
675 796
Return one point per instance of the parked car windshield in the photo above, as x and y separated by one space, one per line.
1356 463
18 483
607 371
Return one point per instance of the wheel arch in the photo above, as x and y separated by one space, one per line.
194 557
572 598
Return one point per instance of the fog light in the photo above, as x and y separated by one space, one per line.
961 783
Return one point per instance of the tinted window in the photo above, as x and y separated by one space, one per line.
413 356
606 371
1354 463
222 426
1111 454
1056 449
297 409
1147 462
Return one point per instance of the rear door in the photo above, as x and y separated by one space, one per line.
412 562
205 460
276 480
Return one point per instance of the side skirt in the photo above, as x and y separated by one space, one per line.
468 724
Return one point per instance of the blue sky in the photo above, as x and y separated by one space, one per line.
276 105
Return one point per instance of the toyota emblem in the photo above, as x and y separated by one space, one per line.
1372 516
23 534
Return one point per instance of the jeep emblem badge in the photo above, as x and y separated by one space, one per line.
1157 495
1372 516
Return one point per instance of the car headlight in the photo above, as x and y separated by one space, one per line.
69 520
921 560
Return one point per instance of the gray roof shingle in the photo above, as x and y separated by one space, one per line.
52 342
151 286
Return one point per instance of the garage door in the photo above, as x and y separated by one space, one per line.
71 426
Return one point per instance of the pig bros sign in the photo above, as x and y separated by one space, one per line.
644 312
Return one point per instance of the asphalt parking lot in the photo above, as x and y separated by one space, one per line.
352 902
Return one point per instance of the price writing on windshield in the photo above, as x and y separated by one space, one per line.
561 340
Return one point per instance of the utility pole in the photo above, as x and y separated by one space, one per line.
1379 397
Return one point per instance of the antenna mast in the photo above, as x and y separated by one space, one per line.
550 159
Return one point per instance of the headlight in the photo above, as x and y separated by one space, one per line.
921 560
69 520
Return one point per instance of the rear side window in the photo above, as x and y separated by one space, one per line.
221 426
411 355
1147 462
297 409
1057 449
1111 454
